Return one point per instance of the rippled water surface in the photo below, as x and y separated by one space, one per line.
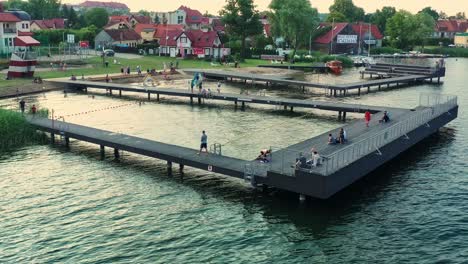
60 206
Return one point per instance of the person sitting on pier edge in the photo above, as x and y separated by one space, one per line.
331 139
73 77
264 155
204 142
301 162
385 118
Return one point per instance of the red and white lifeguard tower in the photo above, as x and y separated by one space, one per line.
23 60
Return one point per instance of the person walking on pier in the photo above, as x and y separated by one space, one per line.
367 117
22 106
204 142
219 87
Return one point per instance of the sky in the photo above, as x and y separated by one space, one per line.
451 7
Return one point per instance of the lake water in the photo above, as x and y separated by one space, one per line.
60 206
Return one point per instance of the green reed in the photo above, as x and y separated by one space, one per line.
15 131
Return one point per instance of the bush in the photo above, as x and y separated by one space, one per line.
452 52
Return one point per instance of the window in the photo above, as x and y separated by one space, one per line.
180 19
183 39
22 25
27 25
207 51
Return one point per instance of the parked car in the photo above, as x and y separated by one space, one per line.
109 53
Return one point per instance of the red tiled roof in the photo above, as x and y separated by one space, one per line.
54 23
93 4
26 41
8 17
145 27
118 18
218 24
327 37
21 33
193 16
114 22
451 25
364 28
122 34
161 30
171 37
201 39
205 20
143 19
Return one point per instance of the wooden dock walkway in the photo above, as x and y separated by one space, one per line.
366 149
238 99
330 89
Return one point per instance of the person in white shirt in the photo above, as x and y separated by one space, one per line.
316 159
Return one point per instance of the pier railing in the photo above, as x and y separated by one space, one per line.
435 105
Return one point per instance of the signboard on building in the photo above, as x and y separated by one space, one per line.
198 51
370 41
346 39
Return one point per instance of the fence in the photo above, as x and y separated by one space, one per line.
435 105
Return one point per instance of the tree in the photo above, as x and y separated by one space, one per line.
428 10
380 17
156 20
460 15
406 30
351 12
241 20
336 17
42 9
443 15
144 13
293 20
97 17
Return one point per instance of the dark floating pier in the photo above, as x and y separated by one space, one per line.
390 76
366 149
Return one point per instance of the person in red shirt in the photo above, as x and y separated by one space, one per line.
367 116
33 109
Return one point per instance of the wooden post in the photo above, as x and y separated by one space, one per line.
103 151
181 167
339 115
292 108
334 92
110 91
235 103
368 89
157 97
169 167
344 117
438 80
116 153
67 142
120 92
149 96
380 86
243 105
52 138
285 107
388 85
359 91
191 100
199 99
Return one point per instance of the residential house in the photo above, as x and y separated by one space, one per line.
190 18
137 19
54 23
117 37
110 7
193 18
461 39
118 24
13 23
192 43
447 28
146 31
350 38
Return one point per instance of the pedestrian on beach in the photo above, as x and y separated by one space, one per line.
218 87
122 70
367 117
204 142
33 109
128 70
22 104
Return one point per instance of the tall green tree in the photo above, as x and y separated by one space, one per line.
460 15
406 30
293 20
348 9
336 17
380 17
43 9
428 10
242 20
144 13
97 17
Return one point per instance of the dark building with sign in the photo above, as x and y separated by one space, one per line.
349 38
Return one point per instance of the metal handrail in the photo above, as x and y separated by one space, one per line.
436 105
